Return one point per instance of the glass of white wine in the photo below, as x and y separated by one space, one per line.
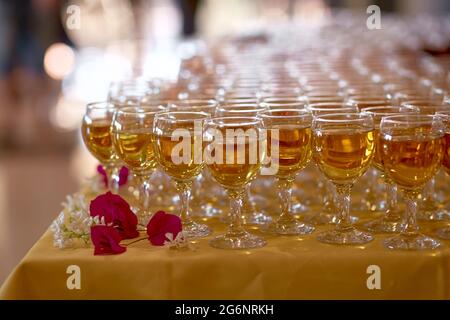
132 137
289 144
343 147
178 145
233 156
97 136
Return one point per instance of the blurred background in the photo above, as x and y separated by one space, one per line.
55 56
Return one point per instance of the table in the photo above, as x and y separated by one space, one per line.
287 268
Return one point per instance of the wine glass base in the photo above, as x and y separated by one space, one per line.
244 240
196 230
326 218
444 233
411 242
384 225
289 228
347 236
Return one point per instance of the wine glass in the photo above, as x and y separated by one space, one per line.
429 208
178 145
328 213
289 145
343 147
412 151
288 102
201 201
250 213
132 136
391 221
233 157
97 136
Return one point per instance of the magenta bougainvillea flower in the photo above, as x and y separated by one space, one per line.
160 224
106 240
123 175
116 213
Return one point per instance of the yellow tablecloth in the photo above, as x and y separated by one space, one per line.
287 268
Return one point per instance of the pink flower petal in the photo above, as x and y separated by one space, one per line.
160 224
117 211
106 240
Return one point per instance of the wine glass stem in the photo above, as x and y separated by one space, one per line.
391 199
235 228
428 191
285 193
112 174
184 189
343 203
411 226
328 198
144 190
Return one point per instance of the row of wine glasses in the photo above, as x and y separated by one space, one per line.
342 145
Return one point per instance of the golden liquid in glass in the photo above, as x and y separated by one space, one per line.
97 137
230 172
343 155
177 163
411 163
377 157
446 161
294 151
135 148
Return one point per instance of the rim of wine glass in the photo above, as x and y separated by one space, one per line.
233 121
240 107
381 99
269 113
282 99
207 105
196 115
379 112
384 110
242 100
137 109
96 105
293 105
410 119
353 117
425 103
331 107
